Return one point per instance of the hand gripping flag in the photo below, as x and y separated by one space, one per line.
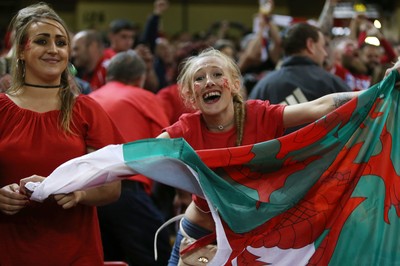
328 194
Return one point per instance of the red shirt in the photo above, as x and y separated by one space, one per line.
33 143
355 82
264 121
97 78
135 111
109 53
173 104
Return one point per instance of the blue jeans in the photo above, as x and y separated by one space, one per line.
193 231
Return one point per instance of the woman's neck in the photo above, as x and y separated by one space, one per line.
36 99
33 92
219 123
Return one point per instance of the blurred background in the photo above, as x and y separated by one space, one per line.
195 16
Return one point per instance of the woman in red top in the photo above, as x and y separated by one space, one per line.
211 83
43 123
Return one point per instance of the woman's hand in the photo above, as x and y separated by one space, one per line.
396 66
11 200
69 200
24 181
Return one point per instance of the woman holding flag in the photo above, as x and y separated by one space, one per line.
43 123
211 83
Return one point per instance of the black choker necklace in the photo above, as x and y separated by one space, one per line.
43 86
220 127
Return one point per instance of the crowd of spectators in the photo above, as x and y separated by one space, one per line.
303 61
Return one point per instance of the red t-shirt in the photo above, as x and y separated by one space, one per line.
356 82
33 143
173 104
109 53
264 121
135 111
97 78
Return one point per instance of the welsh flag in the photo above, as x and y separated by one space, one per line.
328 194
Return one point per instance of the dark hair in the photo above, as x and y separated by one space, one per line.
126 67
223 43
121 24
296 36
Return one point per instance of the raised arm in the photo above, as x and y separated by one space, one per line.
325 20
299 114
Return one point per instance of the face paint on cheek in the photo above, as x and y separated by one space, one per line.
28 44
225 83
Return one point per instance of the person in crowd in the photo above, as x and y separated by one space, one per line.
151 82
377 56
45 122
159 45
169 96
128 225
354 58
325 23
227 47
261 50
164 62
348 65
301 76
88 58
343 56
122 36
152 29
211 83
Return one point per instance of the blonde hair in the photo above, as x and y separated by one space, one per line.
185 83
19 27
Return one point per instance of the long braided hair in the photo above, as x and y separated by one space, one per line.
185 83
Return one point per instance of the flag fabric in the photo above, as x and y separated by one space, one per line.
327 194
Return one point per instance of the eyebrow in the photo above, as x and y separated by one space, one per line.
48 35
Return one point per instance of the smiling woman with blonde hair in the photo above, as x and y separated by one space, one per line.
211 82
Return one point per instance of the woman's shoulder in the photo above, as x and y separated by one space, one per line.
257 103
3 97
189 117
6 104
186 123
88 108
263 107
84 102
84 99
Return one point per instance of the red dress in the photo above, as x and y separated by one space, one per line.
264 121
33 143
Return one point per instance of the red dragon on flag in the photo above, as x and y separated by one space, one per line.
327 194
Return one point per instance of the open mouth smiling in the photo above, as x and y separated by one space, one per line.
211 97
